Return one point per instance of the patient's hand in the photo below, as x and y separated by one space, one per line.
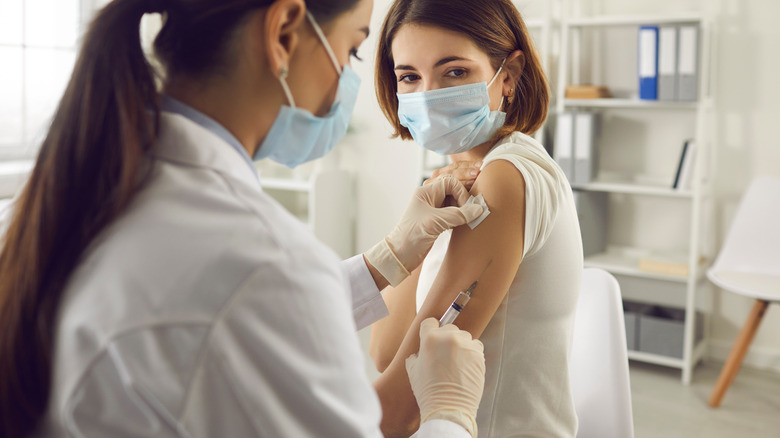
465 171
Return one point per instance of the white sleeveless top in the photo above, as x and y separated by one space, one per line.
527 391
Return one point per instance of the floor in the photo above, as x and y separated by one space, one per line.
663 407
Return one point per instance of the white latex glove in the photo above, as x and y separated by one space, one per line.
447 375
425 218
465 171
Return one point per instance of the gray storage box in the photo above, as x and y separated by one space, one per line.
631 312
662 330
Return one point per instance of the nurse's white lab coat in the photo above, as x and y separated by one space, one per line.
207 310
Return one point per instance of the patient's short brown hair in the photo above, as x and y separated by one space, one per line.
496 27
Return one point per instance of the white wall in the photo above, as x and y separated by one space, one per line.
747 95
385 168
748 112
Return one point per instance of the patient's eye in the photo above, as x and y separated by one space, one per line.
408 78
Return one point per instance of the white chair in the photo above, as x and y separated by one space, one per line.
749 264
598 366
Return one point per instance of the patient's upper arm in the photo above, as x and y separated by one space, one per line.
497 243
498 240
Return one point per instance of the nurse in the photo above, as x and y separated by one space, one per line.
150 288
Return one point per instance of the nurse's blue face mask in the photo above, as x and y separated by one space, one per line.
297 135
451 120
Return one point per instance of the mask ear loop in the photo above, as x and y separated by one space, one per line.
324 41
497 72
285 87
328 49
501 104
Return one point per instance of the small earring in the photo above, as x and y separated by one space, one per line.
283 72
511 96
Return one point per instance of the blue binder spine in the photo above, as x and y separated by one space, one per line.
648 62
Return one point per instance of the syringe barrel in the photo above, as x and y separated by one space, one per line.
454 310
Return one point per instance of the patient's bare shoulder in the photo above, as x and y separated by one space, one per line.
503 187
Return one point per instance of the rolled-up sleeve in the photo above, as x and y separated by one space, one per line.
368 306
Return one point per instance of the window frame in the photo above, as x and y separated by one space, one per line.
28 148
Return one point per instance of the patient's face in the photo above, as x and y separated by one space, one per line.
429 57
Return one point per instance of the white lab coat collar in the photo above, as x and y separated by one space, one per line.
183 141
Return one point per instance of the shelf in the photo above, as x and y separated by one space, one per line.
655 359
632 20
625 261
285 184
630 103
634 189
673 362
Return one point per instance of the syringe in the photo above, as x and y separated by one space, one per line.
457 306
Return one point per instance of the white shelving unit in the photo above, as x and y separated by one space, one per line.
626 262
324 200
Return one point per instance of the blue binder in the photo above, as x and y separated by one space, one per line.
648 62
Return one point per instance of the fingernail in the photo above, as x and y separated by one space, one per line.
473 173
478 164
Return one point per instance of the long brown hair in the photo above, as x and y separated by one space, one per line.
496 27
93 161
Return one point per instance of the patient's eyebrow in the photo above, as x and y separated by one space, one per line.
449 59
439 63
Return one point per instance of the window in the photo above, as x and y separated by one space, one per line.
38 43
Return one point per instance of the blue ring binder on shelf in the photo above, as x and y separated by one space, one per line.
648 62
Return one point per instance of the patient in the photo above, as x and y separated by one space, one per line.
461 77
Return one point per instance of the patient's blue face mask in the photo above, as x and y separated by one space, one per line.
297 135
451 120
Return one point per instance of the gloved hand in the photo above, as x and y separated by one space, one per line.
465 171
425 218
447 375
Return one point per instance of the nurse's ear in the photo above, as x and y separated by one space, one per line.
283 19
514 65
